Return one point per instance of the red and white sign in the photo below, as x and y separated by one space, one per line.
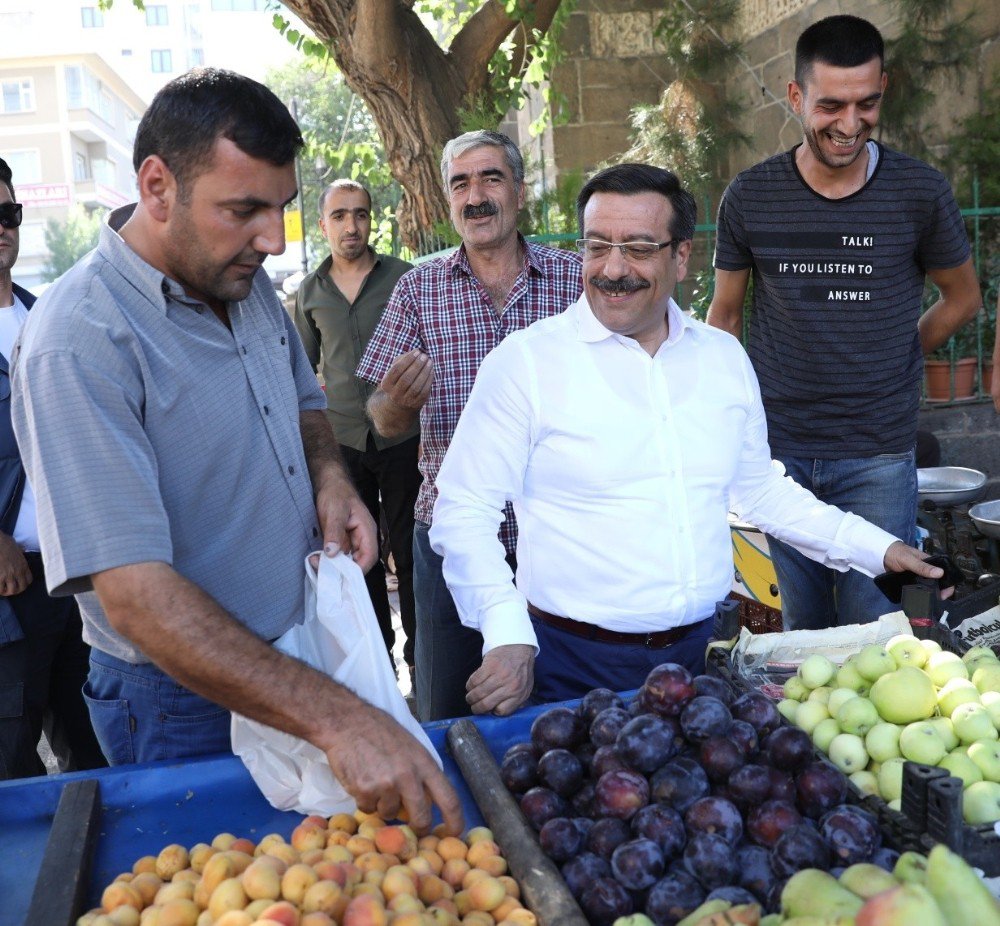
44 194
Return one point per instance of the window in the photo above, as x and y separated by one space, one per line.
81 169
25 166
18 95
239 5
162 63
74 87
91 17
156 15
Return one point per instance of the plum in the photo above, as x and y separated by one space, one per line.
679 783
557 728
788 748
758 710
646 742
605 760
584 825
583 801
560 839
749 786
819 787
585 753
667 688
799 847
620 794
580 872
606 726
606 835
519 770
636 864
755 873
662 824
561 771
711 860
716 687
768 821
733 894
715 815
705 716
745 736
595 701
604 900
885 858
852 833
673 897
720 757
782 786
539 805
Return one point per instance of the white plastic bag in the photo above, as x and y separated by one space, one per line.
340 636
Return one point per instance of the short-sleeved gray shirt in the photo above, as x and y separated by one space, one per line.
152 433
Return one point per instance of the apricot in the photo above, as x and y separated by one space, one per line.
374 877
481 850
180 911
281 912
364 910
296 881
522 917
431 888
420 866
146 863
273 861
447 904
405 903
325 897
229 895
186 874
344 822
428 842
223 841
400 841
171 859
477 918
504 909
413 919
199 854
452 848
399 880
147 884
308 836
442 917
463 903
234 918
372 861
359 845
337 852
119 894
125 877
311 856
262 881
87 919
472 876
217 869
366 887
316 919
477 834
495 865
511 886
337 838
241 860
150 917
486 894
121 916
288 854
175 890
432 858
243 845
454 871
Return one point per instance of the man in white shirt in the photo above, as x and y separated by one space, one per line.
623 432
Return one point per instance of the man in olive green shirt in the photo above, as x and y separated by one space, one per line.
337 308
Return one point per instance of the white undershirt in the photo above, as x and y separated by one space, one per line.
26 529
622 468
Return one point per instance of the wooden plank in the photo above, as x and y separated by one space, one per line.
542 887
61 886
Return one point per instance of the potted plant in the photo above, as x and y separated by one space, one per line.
950 370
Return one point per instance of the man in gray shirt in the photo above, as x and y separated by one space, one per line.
183 462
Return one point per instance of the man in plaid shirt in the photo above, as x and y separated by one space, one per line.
443 318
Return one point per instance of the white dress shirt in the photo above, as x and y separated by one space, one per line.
622 468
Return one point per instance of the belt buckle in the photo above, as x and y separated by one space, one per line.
648 643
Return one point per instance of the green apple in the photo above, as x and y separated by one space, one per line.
816 670
857 716
981 802
961 766
809 714
987 677
895 804
972 722
882 741
956 691
975 653
911 868
839 696
873 661
865 782
932 646
847 752
991 701
787 708
795 689
919 742
906 650
986 754
821 694
943 666
849 677
946 730
890 779
824 732
904 695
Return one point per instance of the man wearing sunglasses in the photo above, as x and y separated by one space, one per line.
43 659
622 431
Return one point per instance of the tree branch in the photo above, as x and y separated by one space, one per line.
376 31
478 40
545 11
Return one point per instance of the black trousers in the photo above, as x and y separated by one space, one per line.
41 682
390 476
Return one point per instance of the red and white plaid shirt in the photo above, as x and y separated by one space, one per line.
442 309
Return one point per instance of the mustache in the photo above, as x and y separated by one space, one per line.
481 211
617 287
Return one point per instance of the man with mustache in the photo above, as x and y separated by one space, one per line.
838 234
178 442
442 320
43 659
622 431
337 307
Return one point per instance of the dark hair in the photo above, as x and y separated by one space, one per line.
632 179
7 177
840 41
342 184
193 111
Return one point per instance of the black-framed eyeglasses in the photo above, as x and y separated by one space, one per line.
595 248
10 215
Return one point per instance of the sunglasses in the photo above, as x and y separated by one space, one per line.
10 215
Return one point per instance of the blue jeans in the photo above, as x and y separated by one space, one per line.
882 489
140 714
568 666
446 652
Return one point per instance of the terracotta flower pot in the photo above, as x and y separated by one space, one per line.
986 376
937 379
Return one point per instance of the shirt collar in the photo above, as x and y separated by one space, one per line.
459 259
590 330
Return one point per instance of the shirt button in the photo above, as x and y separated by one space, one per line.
267 411
243 348
164 287
282 339
315 532
291 470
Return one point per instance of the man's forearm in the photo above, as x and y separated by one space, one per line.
322 452
390 419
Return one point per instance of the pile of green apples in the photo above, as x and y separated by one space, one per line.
906 700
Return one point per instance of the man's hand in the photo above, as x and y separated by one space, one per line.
902 558
384 769
15 575
408 381
346 524
504 680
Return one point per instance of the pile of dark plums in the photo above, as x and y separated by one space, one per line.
685 793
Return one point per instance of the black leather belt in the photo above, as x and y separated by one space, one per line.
655 640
